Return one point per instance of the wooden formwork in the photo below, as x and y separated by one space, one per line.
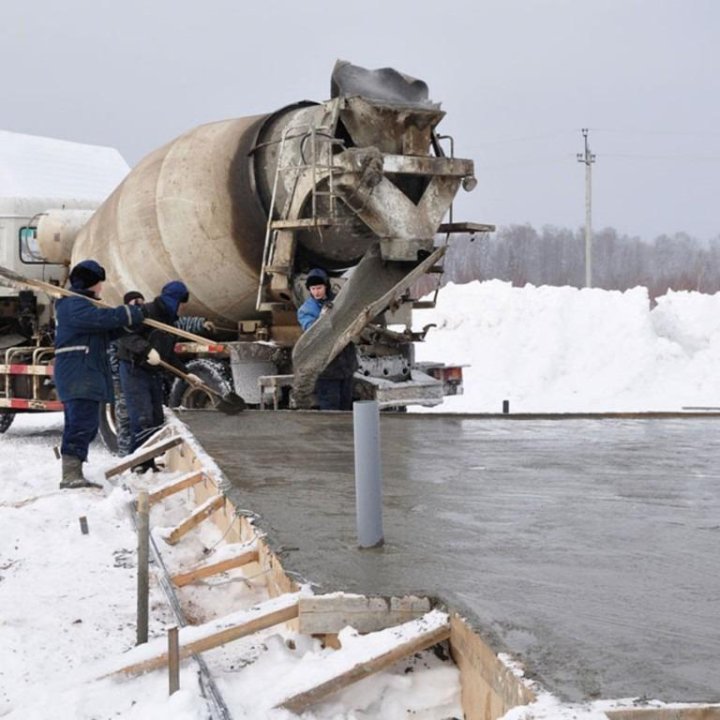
489 687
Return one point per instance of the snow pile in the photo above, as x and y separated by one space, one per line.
561 349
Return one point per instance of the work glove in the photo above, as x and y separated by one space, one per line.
326 308
193 379
209 326
153 357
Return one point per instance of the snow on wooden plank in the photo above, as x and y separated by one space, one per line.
195 639
359 657
207 569
146 453
202 512
182 483
323 614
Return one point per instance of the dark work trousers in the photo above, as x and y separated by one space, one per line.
82 419
122 422
334 394
143 390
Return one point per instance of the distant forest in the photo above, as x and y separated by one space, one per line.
521 254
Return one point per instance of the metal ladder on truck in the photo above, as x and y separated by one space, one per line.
274 290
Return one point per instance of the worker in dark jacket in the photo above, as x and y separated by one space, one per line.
190 323
140 354
334 387
81 371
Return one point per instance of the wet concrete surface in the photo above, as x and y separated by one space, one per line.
586 548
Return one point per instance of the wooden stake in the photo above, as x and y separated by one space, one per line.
143 577
173 660
84 525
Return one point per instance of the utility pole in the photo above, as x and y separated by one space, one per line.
588 158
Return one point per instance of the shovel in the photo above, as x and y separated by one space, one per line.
15 279
230 403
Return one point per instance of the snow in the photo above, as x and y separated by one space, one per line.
41 167
68 604
67 600
549 349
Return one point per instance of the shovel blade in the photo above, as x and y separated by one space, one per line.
230 404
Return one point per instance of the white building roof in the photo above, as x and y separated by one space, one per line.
33 166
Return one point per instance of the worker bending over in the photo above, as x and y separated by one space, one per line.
140 354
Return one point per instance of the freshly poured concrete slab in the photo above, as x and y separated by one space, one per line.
589 549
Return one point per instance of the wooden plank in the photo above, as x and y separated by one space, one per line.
181 483
200 513
328 614
199 638
421 634
157 436
140 456
203 570
489 688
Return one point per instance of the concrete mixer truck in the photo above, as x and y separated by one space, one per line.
242 209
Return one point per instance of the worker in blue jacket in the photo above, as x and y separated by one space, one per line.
81 372
334 387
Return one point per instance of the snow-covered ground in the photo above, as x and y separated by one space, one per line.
68 602
68 606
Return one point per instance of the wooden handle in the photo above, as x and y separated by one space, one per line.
183 376
56 291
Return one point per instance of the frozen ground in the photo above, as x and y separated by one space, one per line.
68 603
67 600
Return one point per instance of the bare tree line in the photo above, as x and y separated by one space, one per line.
521 254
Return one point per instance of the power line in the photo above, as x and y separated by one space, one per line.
526 138
632 131
641 156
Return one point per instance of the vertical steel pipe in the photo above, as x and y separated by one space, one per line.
368 474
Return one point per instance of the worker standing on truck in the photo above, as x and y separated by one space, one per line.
81 371
140 354
334 387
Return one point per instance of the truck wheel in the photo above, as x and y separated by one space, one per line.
6 420
108 428
212 373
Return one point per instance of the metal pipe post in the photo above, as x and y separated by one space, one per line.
368 474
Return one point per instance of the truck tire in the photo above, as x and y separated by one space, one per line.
6 420
213 373
108 429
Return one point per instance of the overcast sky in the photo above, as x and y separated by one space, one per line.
518 80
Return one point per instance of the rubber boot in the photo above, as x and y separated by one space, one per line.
72 476
147 466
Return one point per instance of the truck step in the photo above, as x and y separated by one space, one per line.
300 223
465 227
